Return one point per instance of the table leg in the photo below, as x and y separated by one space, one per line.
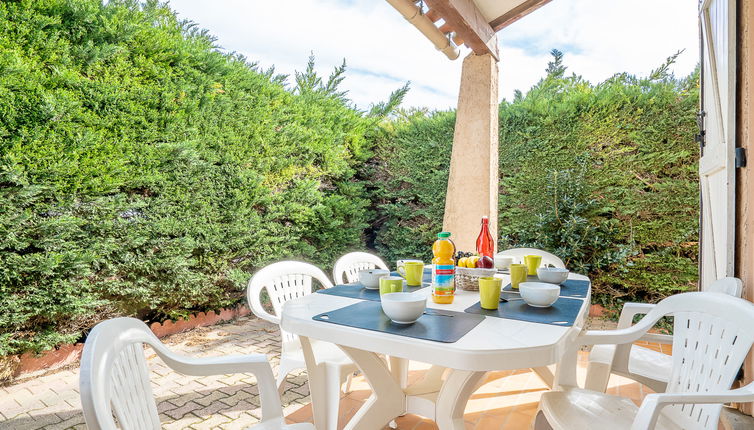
546 374
399 369
454 395
387 400
324 388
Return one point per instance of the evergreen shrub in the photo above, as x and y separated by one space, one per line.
604 175
144 172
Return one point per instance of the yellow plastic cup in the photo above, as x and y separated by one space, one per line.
413 271
391 284
518 275
489 292
532 263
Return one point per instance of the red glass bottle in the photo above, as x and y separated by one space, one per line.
484 243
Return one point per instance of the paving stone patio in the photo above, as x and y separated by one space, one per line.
508 399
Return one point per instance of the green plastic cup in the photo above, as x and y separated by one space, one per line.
391 284
413 271
518 275
532 263
489 292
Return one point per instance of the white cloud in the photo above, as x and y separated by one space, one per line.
383 51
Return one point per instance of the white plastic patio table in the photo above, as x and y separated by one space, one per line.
494 344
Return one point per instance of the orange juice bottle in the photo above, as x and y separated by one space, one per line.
443 269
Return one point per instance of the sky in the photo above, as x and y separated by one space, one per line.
383 51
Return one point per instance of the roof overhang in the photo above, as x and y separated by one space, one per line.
465 22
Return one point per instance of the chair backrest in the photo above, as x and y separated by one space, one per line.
729 285
711 337
114 377
547 258
283 281
347 267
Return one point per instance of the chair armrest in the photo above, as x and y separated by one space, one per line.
267 316
630 310
207 366
653 403
565 375
256 364
657 338
611 337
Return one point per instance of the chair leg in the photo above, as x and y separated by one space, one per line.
332 391
283 370
597 376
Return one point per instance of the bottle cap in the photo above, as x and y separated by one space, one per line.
443 234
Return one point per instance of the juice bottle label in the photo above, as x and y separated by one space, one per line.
443 279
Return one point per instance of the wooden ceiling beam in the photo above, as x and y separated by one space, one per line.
433 15
468 23
517 13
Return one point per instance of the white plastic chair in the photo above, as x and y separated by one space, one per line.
114 380
712 336
547 258
347 267
283 281
644 365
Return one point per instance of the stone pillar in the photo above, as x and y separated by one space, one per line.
473 181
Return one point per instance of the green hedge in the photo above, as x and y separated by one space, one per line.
143 172
602 175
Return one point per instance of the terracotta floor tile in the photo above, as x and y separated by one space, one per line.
490 422
408 422
301 415
426 425
361 395
518 421
632 391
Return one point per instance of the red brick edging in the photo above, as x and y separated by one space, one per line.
71 353
597 311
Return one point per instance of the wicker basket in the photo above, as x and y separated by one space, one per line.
468 279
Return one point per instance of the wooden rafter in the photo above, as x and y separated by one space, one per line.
465 19
433 15
517 13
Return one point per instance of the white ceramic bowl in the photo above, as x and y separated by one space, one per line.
370 278
403 308
539 294
503 262
552 275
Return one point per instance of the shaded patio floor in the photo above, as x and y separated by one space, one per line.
506 400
